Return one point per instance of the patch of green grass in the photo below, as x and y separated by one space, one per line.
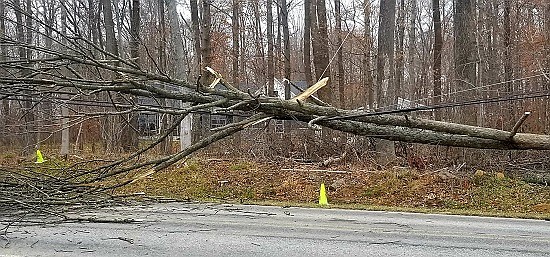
397 190
241 166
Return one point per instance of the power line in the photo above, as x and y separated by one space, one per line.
538 94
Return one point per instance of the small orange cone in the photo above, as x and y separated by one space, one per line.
323 196
39 158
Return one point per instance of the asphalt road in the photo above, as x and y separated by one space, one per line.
182 229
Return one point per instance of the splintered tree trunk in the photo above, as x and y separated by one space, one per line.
438 44
385 73
465 56
307 42
321 49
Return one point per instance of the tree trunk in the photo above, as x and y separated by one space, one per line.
384 66
3 57
177 42
367 75
307 42
270 59
321 49
259 62
508 58
340 56
465 56
400 55
547 69
286 46
130 135
110 36
385 73
438 44
235 29
235 49
206 39
65 132
411 88
196 32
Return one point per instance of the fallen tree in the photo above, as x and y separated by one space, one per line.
72 77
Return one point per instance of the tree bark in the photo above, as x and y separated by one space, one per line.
111 45
385 73
270 58
339 55
286 45
235 48
307 42
196 32
206 33
235 29
367 75
321 49
412 53
464 56
438 44
400 55
65 132
3 57
179 71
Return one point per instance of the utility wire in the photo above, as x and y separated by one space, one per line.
538 94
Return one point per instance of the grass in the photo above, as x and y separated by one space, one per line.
246 182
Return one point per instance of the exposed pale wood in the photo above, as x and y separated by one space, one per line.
518 124
311 90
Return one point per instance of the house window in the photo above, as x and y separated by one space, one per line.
217 121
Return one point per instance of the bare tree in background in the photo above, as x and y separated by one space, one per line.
307 42
367 38
464 55
206 38
340 56
270 57
5 121
196 32
438 44
321 47
385 73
